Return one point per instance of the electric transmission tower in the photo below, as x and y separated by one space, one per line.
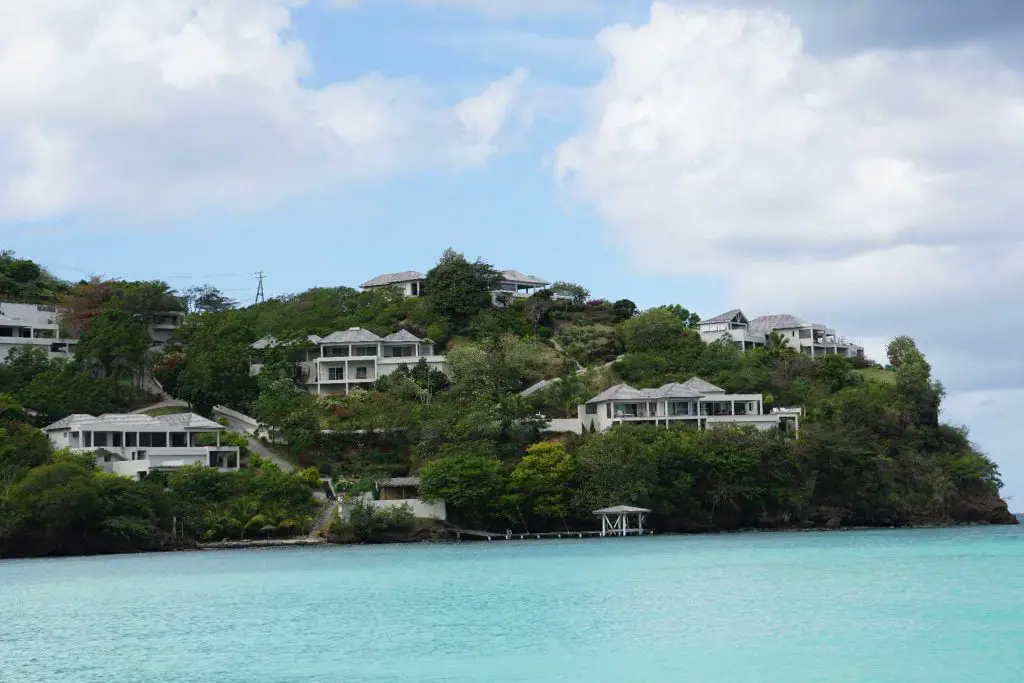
259 288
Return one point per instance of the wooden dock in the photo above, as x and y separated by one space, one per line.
474 534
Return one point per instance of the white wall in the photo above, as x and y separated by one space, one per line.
420 508
565 425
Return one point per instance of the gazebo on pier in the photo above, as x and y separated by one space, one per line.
615 521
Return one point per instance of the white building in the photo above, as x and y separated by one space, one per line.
813 339
35 326
134 444
38 326
413 283
694 403
354 359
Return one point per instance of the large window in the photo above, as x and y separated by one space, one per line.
131 439
153 439
805 334
336 351
179 439
402 351
364 350
335 373
361 372
591 409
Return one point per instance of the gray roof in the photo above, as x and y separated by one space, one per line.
783 321
694 387
394 278
724 317
134 422
351 335
523 279
698 385
399 482
402 336
619 509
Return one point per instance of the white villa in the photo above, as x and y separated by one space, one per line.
695 404
813 339
413 283
354 359
135 444
39 326
32 325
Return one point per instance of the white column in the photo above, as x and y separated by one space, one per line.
218 438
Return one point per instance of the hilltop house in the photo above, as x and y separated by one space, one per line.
695 404
32 325
38 326
135 444
813 339
351 359
413 283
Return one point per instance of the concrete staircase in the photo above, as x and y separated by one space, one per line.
323 519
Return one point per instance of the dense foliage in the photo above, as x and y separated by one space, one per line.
25 281
56 503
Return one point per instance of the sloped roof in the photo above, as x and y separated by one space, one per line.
724 317
133 422
399 482
619 509
394 278
523 279
351 335
617 392
402 336
701 387
766 323
676 390
694 387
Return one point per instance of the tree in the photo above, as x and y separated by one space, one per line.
116 342
497 367
546 478
656 330
900 350
206 299
214 365
689 319
577 293
457 289
473 484
624 309
776 343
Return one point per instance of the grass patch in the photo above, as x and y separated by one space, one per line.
167 410
878 375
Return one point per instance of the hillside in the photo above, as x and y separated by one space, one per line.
871 450
24 281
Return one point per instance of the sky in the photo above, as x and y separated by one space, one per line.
852 162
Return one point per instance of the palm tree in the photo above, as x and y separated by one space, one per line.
776 342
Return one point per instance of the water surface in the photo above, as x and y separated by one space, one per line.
925 606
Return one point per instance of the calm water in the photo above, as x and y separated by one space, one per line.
872 607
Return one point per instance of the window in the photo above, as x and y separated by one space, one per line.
153 439
131 439
591 409
115 439
364 350
86 439
140 455
361 372
805 334
106 457
402 351
335 374
99 439
179 439
336 351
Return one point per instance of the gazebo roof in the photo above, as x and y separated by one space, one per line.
619 510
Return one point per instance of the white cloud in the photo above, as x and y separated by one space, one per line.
497 8
993 420
169 105
877 191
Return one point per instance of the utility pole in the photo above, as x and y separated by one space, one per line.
259 288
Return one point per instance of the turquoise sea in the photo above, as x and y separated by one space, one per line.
916 606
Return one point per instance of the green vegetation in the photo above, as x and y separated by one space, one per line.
871 449
24 281
56 503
